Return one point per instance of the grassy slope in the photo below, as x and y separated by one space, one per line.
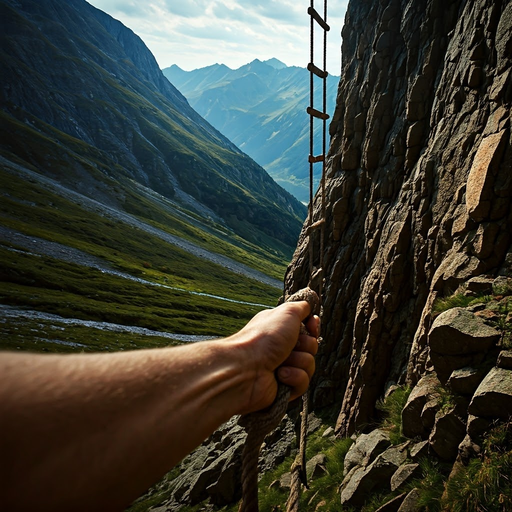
54 286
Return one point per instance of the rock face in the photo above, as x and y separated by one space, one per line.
418 187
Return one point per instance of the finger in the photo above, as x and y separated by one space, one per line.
313 326
307 344
302 360
296 378
300 308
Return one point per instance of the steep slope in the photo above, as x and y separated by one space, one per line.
261 107
419 187
93 92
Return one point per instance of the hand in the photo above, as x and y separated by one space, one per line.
271 342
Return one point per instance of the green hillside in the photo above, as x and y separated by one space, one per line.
261 107
120 205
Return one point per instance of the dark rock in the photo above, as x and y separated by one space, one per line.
480 285
314 423
502 286
493 398
459 332
424 391
365 449
410 503
459 338
505 360
428 413
449 431
465 381
477 427
361 481
285 482
419 450
316 466
403 474
468 450
414 227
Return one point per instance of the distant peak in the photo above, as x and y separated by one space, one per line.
275 63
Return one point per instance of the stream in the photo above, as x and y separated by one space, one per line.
11 312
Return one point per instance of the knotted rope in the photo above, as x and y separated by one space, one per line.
260 423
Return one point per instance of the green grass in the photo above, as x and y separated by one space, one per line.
69 290
457 300
36 212
56 337
485 484
325 488
392 408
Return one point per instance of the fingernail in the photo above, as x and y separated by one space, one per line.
284 373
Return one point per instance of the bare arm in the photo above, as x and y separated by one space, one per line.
92 432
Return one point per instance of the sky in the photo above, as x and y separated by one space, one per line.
198 33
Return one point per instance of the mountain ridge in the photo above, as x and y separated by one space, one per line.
143 126
265 117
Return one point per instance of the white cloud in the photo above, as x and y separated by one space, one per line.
198 33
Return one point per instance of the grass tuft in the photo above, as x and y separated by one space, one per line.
392 408
485 484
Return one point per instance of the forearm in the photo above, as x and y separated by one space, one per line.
92 432
111 423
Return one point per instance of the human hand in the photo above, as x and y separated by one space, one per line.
272 341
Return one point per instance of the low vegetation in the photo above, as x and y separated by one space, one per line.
392 407
485 484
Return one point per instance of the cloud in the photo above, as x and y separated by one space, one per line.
197 33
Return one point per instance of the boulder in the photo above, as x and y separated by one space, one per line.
505 360
419 450
502 286
361 481
424 391
480 285
493 398
329 431
468 450
449 431
316 466
410 503
465 380
403 474
459 332
365 449
428 414
285 482
459 338
477 426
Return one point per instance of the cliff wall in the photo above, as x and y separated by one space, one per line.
418 187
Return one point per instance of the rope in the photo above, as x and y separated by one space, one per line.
260 423
299 466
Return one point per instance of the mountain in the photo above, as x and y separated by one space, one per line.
84 102
261 107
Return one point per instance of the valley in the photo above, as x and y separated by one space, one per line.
64 254
119 204
261 107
